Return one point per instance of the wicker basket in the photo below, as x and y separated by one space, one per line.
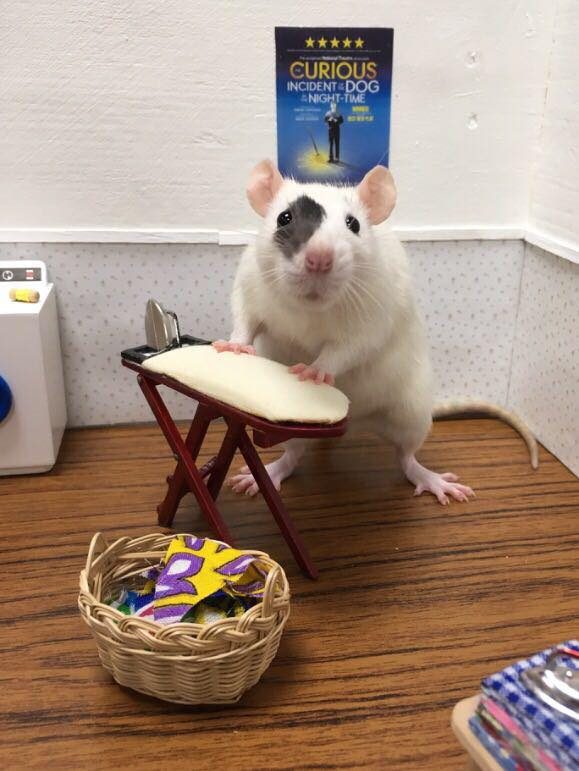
185 663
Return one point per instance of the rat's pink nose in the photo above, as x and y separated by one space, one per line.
319 259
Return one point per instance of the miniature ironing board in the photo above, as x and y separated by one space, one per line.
188 476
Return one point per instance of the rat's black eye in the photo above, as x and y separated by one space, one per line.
284 218
352 224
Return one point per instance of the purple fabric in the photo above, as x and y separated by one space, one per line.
191 542
169 584
236 566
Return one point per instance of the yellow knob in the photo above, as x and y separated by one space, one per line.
24 295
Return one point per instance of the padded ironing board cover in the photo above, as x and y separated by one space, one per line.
259 386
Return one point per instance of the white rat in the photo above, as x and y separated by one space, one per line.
326 288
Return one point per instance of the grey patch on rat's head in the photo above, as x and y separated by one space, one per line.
307 216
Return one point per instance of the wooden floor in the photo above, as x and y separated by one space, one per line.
414 605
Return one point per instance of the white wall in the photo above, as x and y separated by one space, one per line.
555 186
148 115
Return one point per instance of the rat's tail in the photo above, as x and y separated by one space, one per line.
470 406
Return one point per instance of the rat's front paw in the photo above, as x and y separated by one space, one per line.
309 372
226 345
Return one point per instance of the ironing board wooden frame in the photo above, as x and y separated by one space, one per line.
187 476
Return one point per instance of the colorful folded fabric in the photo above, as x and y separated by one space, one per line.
133 603
513 740
150 575
542 726
196 568
491 743
220 605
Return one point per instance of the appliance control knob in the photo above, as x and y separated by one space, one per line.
5 399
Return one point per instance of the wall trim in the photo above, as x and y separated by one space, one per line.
553 244
123 236
227 237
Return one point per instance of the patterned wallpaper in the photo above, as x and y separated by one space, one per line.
545 374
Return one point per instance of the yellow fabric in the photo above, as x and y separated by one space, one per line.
252 384
194 569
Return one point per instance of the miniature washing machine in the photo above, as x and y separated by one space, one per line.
32 402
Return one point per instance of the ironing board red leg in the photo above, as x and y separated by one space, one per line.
192 475
273 500
224 458
177 485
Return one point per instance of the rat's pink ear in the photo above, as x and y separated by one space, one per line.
377 192
264 182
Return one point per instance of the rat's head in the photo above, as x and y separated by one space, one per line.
317 240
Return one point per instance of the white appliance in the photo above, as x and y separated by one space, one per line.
31 365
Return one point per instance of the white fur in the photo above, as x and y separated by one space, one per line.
358 322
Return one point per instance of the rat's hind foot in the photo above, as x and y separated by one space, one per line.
278 470
440 485
244 482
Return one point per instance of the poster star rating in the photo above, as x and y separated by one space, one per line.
335 42
333 88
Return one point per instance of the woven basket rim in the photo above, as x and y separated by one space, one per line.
201 658
184 626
